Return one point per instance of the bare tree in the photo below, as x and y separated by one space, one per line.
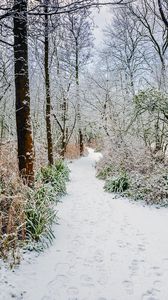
155 31
23 122
78 42
47 86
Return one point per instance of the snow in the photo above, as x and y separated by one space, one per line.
105 248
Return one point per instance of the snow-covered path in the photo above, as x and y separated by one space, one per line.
105 249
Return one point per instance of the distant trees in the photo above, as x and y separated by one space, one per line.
155 32
129 84
125 48
78 41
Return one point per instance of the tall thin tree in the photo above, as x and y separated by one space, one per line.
47 86
23 120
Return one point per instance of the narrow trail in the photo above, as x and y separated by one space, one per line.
105 249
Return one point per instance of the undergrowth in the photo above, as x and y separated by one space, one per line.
40 209
27 214
134 173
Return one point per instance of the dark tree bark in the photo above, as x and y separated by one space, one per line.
64 128
81 144
163 16
23 121
47 86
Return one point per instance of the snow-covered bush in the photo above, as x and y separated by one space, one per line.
150 187
147 177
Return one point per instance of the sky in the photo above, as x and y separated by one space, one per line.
101 18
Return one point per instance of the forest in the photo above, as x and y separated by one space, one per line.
83 127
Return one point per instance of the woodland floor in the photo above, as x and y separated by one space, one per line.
105 248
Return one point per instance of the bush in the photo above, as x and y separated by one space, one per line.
105 172
40 208
12 220
146 179
56 175
40 216
117 184
27 214
152 188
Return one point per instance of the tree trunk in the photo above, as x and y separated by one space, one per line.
47 86
23 121
63 146
64 128
81 144
158 146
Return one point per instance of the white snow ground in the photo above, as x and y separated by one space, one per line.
105 249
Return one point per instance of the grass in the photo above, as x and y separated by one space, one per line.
117 184
27 215
40 209
105 172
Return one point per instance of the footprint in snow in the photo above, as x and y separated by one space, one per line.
99 256
128 285
155 268
113 256
77 242
62 268
150 295
121 244
157 271
157 284
86 280
72 291
103 278
59 280
165 259
134 267
141 247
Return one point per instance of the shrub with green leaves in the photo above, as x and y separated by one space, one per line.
117 184
105 172
40 208
56 175
40 215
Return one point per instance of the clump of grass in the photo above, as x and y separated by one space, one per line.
12 219
105 172
27 214
117 184
56 175
40 216
40 208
